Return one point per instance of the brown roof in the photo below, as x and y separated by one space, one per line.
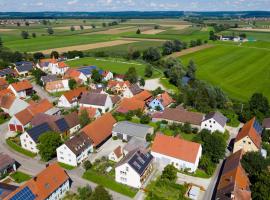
180 115
129 104
90 110
115 99
78 143
234 179
165 99
41 118
73 95
6 101
249 130
135 89
177 147
100 129
72 119
45 183
266 123
54 85
5 160
22 85
93 99
118 152
143 96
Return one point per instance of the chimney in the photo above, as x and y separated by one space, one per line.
47 165
35 178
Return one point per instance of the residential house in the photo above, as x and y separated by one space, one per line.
12 105
95 100
214 121
119 77
75 150
161 101
8 72
48 78
21 89
107 75
182 154
93 113
131 91
78 76
249 137
115 99
87 70
234 182
6 189
58 68
46 64
3 83
130 104
266 123
22 119
71 98
125 130
57 86
24 68
134 169
116 155
143 96
100 130
7 165
118 86
135 143
179 115
52 183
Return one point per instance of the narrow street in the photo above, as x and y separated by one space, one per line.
42 93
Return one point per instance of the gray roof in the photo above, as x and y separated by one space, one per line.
266 123
132 129
5 160
93 99
135 89
24 66
49 78
135 143
220 118
139 160
78 143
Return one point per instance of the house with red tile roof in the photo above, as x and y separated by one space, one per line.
78 76
116 155
57 86
234 182
92 112
107 75
160 102
100 130
143 96
118 86
58 68
182 154
22 119
11 104
249 137
21 89
3 83
51 183
46 64
130 104
71 98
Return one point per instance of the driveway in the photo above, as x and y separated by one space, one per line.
42 93
153 84
202 182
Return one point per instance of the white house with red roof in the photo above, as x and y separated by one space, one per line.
107 75
21 89
58 68
182 154
46 64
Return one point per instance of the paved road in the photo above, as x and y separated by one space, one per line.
42 93
33 166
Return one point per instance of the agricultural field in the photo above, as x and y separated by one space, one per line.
238 70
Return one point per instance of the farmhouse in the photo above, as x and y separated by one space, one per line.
100 130
161 101
182 154
12 105
46 64
125 130
58 68
52 184
179 115
143 96
134 169
249 137
214 121
75 150
130 104
71 98
118 86
95 100
57 86
78 76
87 71
132 91
234 182
21 89
24 68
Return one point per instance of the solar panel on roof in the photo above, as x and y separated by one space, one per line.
62 125
257 127
38 130
24 194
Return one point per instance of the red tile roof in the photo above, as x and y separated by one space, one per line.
143 96
62 65
118 152
165 99
74 94
100 129
6 101
113 83
130 104
176 147
250 131
3 83
6 92
22 85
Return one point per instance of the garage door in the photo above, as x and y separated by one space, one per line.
19 128
12 127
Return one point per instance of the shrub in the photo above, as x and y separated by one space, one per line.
87 165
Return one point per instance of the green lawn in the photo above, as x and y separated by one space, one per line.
66 166
20 177
116 65
19 149
239 71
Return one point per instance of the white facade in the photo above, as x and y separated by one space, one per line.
65 155
20 94
212 125
107 106
74 129
63 102
127 93
109 76
60 192
17 106
28 143
55 69
113 157
164 160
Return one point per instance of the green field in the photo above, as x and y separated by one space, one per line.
239 71
119 66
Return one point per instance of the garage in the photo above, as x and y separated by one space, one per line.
19 128
12 127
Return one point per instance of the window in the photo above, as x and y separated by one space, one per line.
210 121
210 126
249 142
244 141
127 169
214 122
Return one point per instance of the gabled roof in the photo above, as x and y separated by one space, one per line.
6 101
252 130
100 129
86 70
90 110
135 89
217 116
7 71
42 185
113 83
6 189
135 143
266 123
49 78
48 60
24 66
3 82
79 143
115 99
5 161
129 104
139 160
165 99
93 99
22 85
73 95
176 147
37 131
143 96
118 152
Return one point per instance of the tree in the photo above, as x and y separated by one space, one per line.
156 26
187 128
148 137
148 72
138 31
72 28
34 35
266 135
27 23
37 73
100 194
72 84
145 119
55 54
169 173
191 70
38 55
25 34
260 187
193 43
177 45
167 48
104 24
131 75
84 118
136 54
48 143
93 26
81 27
84 192
96 76
142 82
87 165
50 31
206 164
212 36
151 54
18 24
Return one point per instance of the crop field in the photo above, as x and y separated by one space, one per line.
119 66
239 71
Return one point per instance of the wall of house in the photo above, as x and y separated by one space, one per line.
171 122
85 154
212 125
108 105
75 129
60 192
127 93
246 144
63 102
21 94
28 143
127 175
65 155
155 103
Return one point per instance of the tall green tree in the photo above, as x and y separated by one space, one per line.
169 173
148 72
50 31
191 70
131 75
72 84
100 194
55 54
84 192
25 34
96 76
167 48
84 118
151 54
